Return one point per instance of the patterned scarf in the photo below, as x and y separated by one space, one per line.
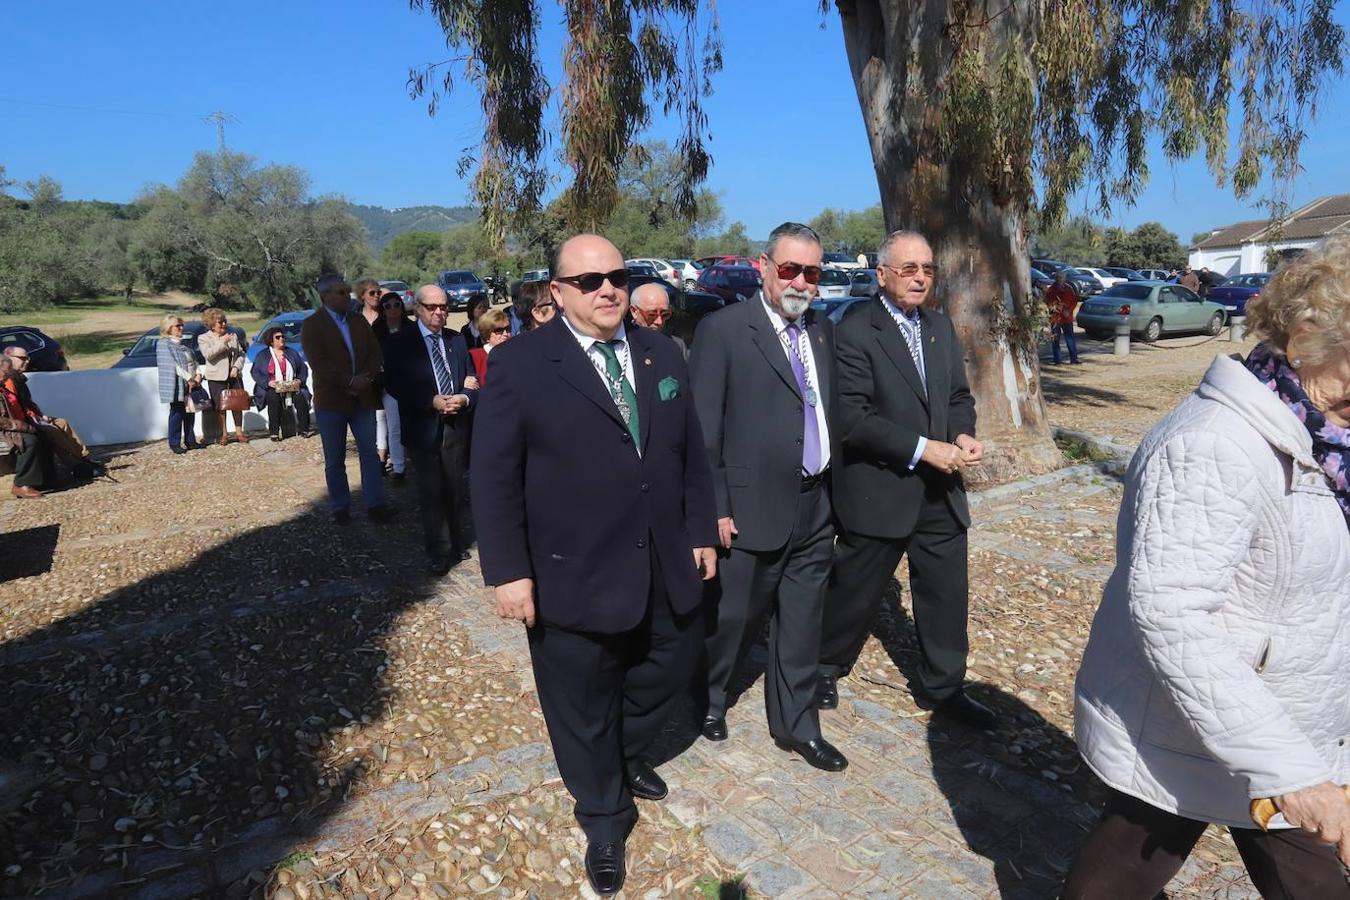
1331 443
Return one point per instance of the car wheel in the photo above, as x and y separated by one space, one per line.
1215 325
689 284
1153 330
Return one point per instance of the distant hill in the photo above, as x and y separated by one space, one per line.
383 225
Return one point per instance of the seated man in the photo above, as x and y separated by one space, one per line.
56 432
33 469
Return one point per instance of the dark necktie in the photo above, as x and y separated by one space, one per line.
444 383
620 389
810 427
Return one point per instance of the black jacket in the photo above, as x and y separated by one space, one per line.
752 416
560 495
884 410
410 379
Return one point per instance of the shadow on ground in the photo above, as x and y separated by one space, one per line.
1078 392
1027 825
178 729
28 552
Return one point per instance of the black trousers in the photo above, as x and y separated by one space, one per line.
35 466
791 582
441 473
1137 848
605 698
276 406
939 586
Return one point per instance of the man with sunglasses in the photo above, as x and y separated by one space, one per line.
594 512
908 420
428 372
651 309
765 384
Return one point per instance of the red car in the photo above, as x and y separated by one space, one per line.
706 261
730 282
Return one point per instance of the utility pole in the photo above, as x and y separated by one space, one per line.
219 119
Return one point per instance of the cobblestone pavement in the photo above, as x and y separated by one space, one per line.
188 711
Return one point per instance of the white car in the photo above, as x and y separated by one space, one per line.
1105 277
687 271
834 283
841 260
663 268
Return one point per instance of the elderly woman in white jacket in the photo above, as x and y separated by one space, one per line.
1218 669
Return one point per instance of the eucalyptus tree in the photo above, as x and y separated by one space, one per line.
976 111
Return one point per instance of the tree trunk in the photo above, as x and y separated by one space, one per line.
900 54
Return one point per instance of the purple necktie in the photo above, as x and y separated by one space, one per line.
810 428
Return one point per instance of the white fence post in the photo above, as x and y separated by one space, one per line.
1122 346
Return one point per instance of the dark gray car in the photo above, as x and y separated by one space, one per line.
462 288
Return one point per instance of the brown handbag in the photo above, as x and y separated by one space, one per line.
234 400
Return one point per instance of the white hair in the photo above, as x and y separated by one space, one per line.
883 255
656 290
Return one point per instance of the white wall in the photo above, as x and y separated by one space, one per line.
1241 260
116 406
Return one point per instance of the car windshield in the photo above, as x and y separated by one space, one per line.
458 277
289 327
536 275
837 257
145 346
866 276
746 275
1128 291
391 286
1081 273
25 339
1049 265
1250 281
833 277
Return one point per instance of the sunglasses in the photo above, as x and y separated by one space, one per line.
374 291
590 282
910 269
393 304
503 330
433 307
658 314
790 271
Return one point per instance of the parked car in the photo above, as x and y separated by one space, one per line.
864 283
289 323
398 287
687 307
1084 282
834 283
1151 309
662 267
462 288
1039 282
841 260
730 282
1049 266
836 306
1127 274
687 271
703 262
1105 278
644 270
1234 293
142 353
44 352
1155 274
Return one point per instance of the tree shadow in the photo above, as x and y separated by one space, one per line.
1005 788
28 552
178 729
1056 390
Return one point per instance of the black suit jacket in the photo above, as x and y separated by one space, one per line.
411 380
560 495
751 410
884 410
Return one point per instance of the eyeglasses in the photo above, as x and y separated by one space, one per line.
374 291
590 282
789 271
910 269
505 329
433 307
176 325
17 358
278 337
661 314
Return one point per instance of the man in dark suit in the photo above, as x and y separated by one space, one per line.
594 513
764 381
344 361
908 423
427 372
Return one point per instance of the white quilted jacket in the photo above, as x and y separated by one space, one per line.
1218 669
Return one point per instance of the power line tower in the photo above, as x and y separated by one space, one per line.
220 120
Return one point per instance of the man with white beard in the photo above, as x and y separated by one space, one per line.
764 384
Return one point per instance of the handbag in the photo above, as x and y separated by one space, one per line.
197 399
234 400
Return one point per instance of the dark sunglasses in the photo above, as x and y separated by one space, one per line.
433 307
790 271
503 330
393 304
910 269
590 282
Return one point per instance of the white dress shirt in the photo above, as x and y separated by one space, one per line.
812 377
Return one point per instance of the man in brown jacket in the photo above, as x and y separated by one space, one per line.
344 357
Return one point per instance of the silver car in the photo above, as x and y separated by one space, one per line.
834 283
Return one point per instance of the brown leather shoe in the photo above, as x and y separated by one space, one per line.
25 492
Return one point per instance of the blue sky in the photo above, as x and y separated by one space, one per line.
111 99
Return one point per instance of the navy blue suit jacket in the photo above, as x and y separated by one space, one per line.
561 496
410 379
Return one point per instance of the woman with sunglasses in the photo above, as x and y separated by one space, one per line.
388 426
275 372
495 327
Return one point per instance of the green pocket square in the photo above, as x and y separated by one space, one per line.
668 388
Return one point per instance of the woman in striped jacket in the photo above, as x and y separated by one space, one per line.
177 377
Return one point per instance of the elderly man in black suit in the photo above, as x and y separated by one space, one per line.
908 423
594 513
426 370
764 379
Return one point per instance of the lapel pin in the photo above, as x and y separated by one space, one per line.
647 361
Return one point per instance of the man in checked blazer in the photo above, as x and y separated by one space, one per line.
908 423
764 381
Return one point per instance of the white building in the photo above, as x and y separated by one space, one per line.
1246 246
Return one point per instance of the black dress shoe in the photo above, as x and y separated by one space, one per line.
968 711
819 753
605 867
827 692
714 727
440 565
645 783
180 450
